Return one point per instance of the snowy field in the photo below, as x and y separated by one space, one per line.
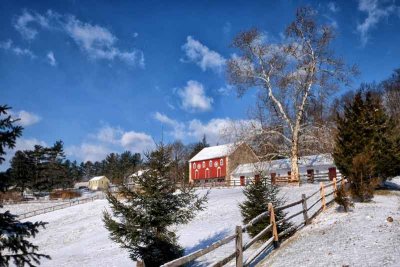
29 206
362 237
76 236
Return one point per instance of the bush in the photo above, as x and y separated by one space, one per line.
362 183
342 198
64 194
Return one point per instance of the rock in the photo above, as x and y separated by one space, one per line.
389 219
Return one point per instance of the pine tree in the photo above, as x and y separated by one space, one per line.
364 149
15 245
141 223
258 195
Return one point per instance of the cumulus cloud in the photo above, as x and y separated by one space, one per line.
51 59
376 11
94 40
178 128
137 141
110 139
9 46
86 152
217 130
25 118
193 97
202 56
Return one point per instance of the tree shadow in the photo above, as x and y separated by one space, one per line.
203 243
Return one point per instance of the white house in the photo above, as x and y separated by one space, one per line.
315 167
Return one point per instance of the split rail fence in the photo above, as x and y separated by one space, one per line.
271 243
57 207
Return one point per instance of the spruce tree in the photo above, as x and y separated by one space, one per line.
15 245
258 195
142 221
365 150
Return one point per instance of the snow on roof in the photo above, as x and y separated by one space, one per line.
138 173
213 152
282 164
96 178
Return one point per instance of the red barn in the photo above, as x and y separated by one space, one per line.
215 164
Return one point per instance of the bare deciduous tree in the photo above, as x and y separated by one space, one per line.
288 74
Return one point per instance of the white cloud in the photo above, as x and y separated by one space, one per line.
85 152
333 7
201 55
214 129
193 97
25 118
178 128
225 90
9 46
99 43
96 41
136 141
110 139
23 24
52 60
375 12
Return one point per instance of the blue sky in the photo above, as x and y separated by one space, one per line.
108 77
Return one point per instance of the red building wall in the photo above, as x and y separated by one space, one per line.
205 169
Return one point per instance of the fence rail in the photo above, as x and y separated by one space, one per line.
272 227
56 207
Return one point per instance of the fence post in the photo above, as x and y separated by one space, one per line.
322 192
334 187
239 247
305 214
273 223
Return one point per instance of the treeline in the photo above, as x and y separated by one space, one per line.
47 168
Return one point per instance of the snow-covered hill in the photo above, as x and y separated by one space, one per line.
76 236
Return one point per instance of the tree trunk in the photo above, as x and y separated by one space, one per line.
294 165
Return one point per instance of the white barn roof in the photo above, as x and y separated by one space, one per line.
284 164
96 178
213 152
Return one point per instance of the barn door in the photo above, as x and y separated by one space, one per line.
310 175
273 178
242 180
256 178
332 173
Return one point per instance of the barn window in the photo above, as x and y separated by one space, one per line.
216 164
194 165
198 166
210 163
204 164
221 162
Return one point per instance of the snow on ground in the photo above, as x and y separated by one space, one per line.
29 206
361 237
76 236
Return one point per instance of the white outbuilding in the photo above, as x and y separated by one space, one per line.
314 167
99 183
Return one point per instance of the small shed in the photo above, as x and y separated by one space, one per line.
99 183
81 185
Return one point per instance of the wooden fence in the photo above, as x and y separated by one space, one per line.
278 180
271 243
57 207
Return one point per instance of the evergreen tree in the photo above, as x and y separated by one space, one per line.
141 223
365 149
21 171
15 245
258 195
